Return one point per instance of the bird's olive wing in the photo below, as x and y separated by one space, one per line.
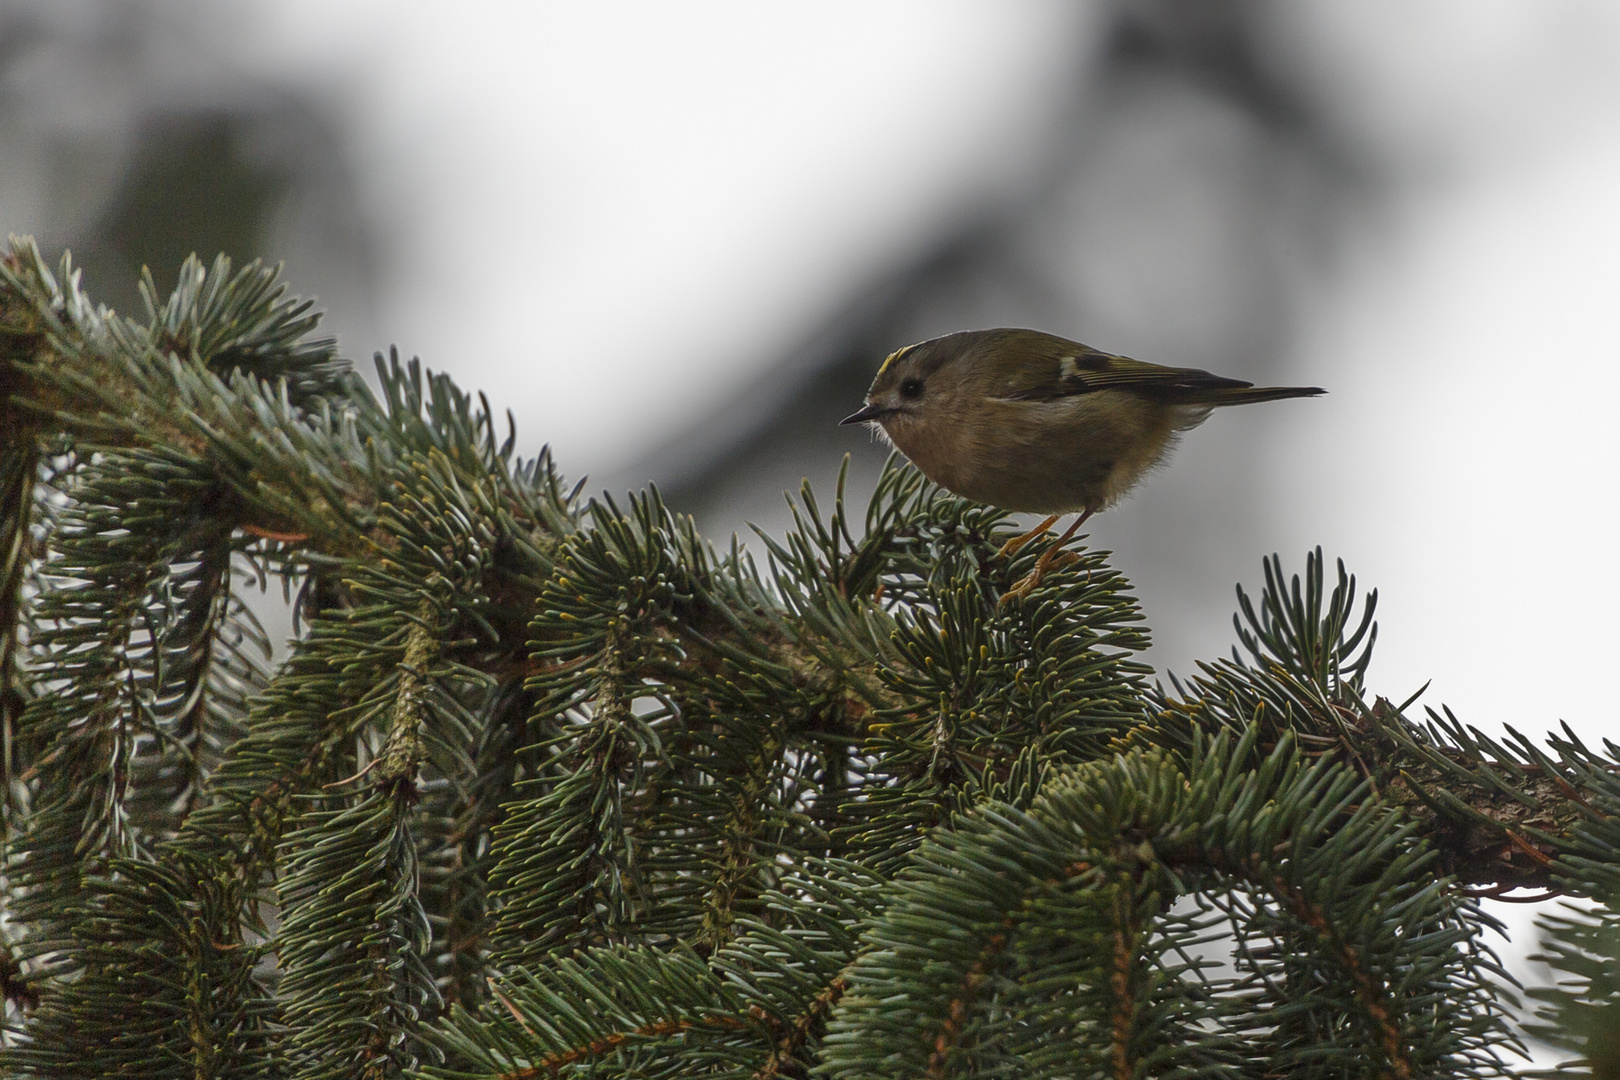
1082 371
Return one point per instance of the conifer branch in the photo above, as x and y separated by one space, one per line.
550 786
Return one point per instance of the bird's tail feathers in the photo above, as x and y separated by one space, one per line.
1244 395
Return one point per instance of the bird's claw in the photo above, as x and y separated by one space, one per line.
1026 584
1022 588
1010 548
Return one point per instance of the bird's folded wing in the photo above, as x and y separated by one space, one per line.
1084 371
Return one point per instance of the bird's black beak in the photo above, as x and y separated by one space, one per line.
868 412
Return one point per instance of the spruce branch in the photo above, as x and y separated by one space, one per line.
1501 814
549 786
998 909
1581 1015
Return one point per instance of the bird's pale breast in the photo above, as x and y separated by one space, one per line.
1069 454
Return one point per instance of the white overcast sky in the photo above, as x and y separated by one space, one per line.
646 198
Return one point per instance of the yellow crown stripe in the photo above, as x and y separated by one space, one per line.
897 354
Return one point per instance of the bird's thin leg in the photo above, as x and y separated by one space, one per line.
1033 578
1010 548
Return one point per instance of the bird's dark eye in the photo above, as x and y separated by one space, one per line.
911 389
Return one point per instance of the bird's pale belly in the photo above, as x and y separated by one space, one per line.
1089 452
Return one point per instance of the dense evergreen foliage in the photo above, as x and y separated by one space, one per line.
548 786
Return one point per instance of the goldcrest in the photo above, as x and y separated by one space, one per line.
1028 421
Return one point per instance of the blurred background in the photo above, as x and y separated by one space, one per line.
676 240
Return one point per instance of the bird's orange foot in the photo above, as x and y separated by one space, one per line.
1053 556
1021 588
1010 548
1052 560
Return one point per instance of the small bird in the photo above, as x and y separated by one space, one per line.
1032 422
